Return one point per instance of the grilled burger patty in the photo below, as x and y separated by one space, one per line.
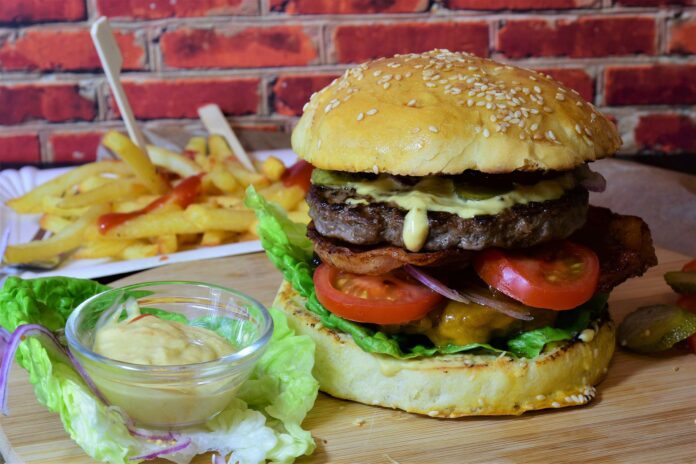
374 223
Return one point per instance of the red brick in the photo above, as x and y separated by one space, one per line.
53 102
65 49
683 36
654 2
37 11
666 132
20 149
292 92
349 6
153 99
650 85
518 4
573 78
238 48
157 9
585 37
74 147
357 43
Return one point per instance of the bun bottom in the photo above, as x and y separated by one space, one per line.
457 385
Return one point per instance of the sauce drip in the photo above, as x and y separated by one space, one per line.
183 195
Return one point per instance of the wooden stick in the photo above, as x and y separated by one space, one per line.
112 61
215 122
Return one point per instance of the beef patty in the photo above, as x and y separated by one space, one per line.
377 223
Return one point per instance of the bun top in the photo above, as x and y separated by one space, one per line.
444 113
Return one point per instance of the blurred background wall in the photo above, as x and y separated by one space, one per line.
261 59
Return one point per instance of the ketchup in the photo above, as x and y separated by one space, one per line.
183 195
299 174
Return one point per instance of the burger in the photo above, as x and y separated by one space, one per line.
454 266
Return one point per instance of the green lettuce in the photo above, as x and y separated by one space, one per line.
262 423
288 247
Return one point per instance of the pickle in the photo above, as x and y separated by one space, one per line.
682 282
467 191
656 328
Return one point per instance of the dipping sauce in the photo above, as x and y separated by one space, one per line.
148 340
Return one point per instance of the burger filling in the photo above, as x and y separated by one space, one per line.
440 213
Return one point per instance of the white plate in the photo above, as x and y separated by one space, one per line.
14 183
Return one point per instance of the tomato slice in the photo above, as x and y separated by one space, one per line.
384 299
560 275
690 266
299 174
687 302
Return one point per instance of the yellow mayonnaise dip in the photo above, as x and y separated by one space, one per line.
149 340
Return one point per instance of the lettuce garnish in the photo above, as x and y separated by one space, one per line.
288 247
262 423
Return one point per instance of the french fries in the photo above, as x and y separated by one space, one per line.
138 161
72 204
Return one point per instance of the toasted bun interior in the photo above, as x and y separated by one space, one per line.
444 113
453 385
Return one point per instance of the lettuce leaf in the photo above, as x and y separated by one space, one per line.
262 423
288 247
568 325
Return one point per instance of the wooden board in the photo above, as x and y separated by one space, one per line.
645 410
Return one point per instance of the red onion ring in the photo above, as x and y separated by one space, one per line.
169 450
470 295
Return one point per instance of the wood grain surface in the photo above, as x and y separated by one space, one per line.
645 410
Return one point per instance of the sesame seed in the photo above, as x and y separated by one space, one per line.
477 129
578 129
361 116
540 397
550 135
556 404
486 133
534 126
493 118
532 78
433 129
489 105
547 109
375 169
560 97
430 84
480 103
377 73
408 74
587 131
537 89
372 111
386 85
522 136
411 102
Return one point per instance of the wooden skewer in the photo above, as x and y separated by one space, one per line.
215 122
112 62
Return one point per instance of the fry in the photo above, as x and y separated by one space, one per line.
223 179
68 239
227 201
219 150
140 164
288 197
172 161
215 237
219 218
139 250
31 202
91 183
273 168
155 224
102 248
167 243
245 177
49 205
53 223
118 189
134 205
299 216
203 161
196 146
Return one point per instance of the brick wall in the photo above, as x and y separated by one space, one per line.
261 59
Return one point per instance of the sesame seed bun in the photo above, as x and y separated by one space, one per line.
451 386
445 113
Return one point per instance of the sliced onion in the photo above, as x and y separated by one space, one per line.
164 451
50 343
592 181
148 435
435 285
471 294
501 303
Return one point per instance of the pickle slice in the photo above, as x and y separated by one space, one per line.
656 328
467 191
683 282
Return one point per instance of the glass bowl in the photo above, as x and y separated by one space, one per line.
174 395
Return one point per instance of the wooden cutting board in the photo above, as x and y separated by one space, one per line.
645 410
